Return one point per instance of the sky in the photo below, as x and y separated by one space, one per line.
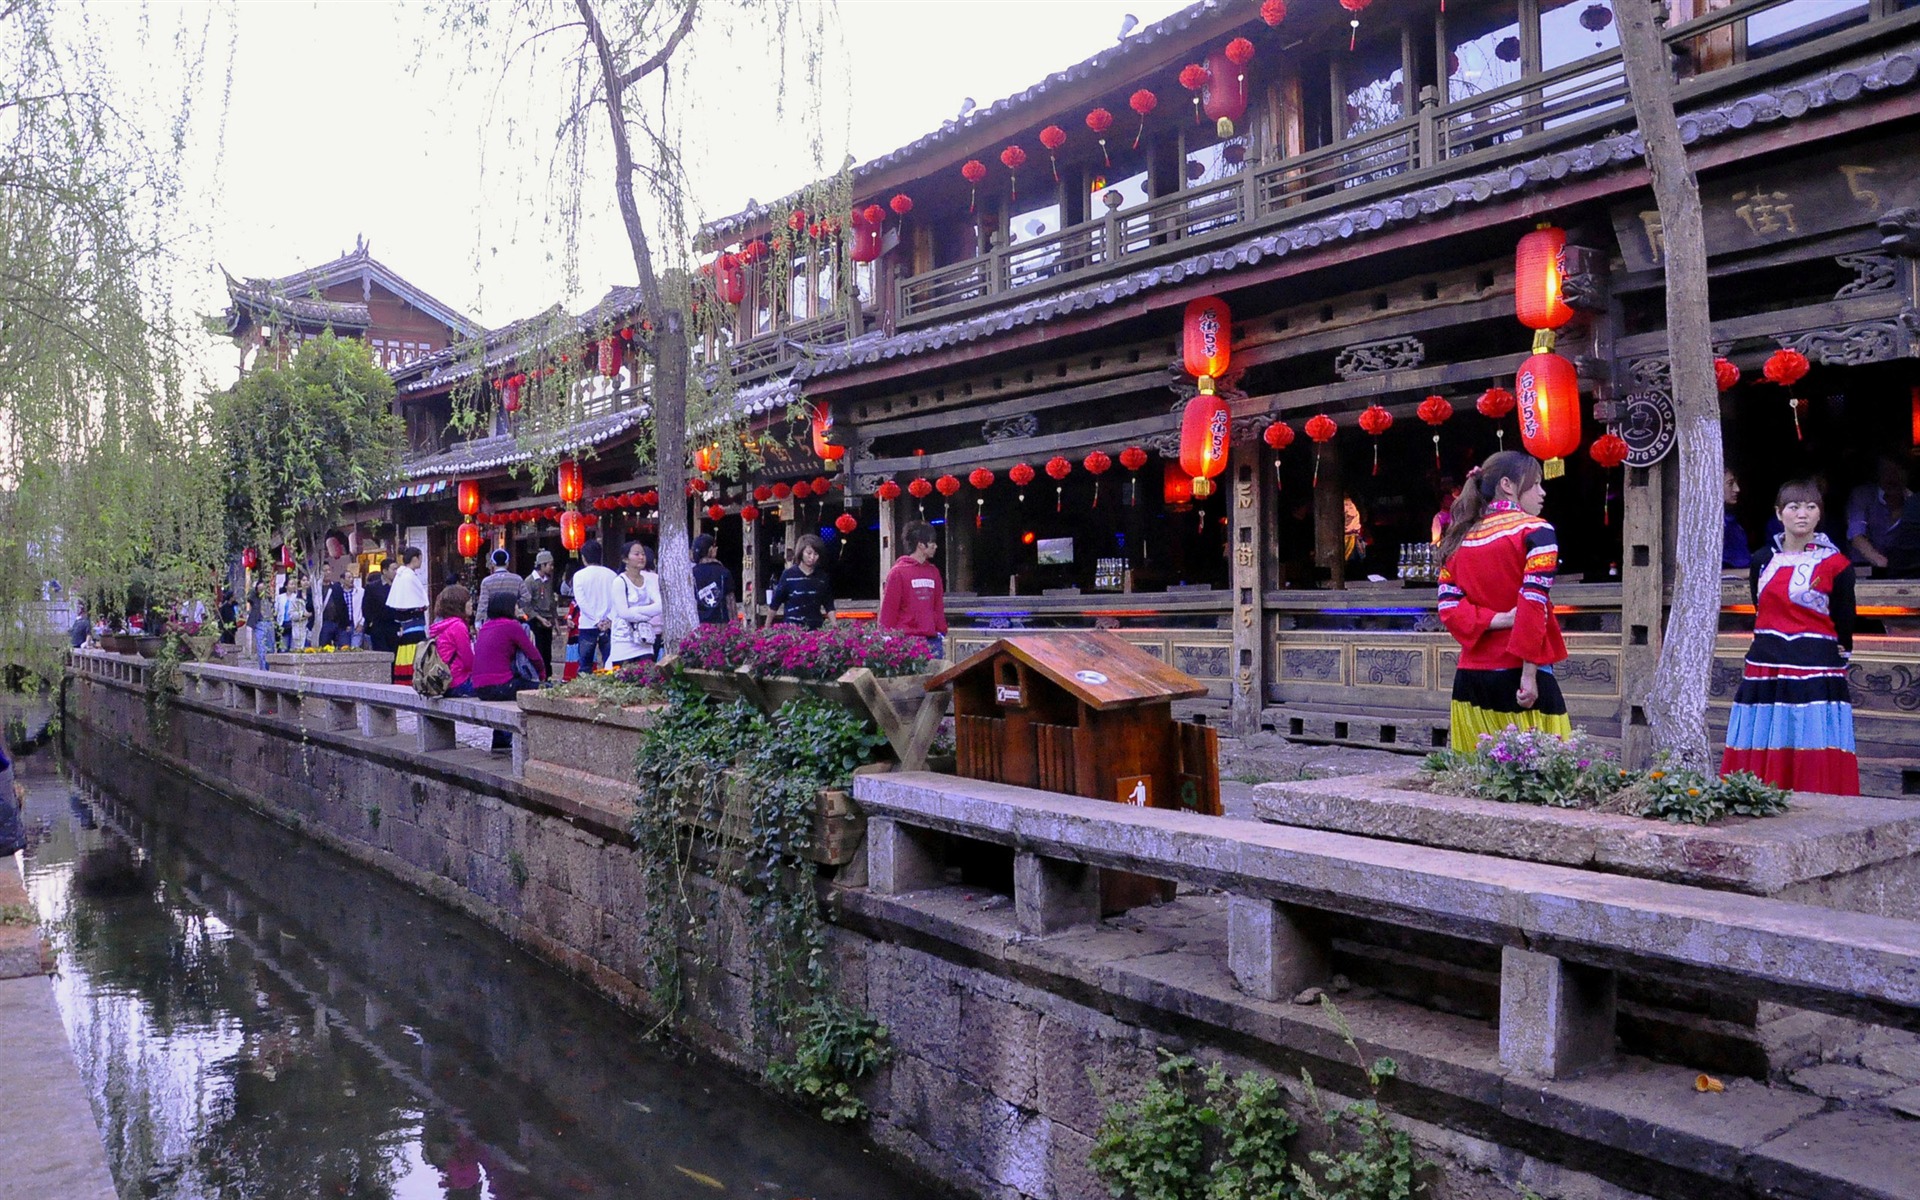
364 118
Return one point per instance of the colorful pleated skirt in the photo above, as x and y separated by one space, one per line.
412 632
1792 718
1484 703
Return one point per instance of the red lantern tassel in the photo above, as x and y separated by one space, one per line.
1096 492
1796 405
1058 490
1376 456
979 512
1279 480
1436 451
1316 466
1103 154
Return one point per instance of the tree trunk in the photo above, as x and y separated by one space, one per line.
1677 706
667 396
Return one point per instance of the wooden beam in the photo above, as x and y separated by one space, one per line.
1009 408
1014 450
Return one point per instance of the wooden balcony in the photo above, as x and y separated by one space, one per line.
1562 107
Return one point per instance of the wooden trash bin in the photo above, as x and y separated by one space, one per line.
1090 714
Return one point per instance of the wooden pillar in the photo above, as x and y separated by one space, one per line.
889 538
959 544
1330 515
1249 503
1643 584
750 593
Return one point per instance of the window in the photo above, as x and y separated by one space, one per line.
1571 30
1483 53
1799 21
1375 89
1221 160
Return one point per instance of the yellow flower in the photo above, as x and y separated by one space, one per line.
1693 791
1656 774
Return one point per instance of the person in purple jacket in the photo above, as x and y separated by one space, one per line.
493 649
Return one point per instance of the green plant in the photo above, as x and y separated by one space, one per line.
1531 767
836 1046
611 691
517 868
373 815
1196 1134
18 914
1379 1163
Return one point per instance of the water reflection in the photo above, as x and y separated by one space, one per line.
257 1017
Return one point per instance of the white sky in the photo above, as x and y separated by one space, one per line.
334 129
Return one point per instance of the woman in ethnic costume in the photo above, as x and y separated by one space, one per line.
1496 577
1792 719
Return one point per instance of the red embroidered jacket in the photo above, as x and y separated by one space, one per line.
1506 562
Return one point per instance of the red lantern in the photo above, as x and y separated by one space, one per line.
888 490
706 460
973 171
1725 374
980 478
650 497
846 523
1142 102
946 485
901 204
1058 469
1609 450
1786 367
762 494
749 513
1207 341
510 392
467 497
1133 458
250 558
920 489
1176 488
821 485
1279 436
1273 11
1193 77
286 556
573 529
1494 404
469 540
1539 261
1225 97
571 483
730 282
1376 421
716 511
782 490
613 354
802 489
822 426
1205 437
1100 120
1022 475
1053 137
796 220
866 233
1435 411
1013 158
1354 9
1320 428
1549 395
1097 464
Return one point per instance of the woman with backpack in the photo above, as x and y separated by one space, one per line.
452 639
637 608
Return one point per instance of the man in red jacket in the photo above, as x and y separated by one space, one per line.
914 599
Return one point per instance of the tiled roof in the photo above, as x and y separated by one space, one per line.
260 301
1840 84
515 342
1112 61
359 264
487 454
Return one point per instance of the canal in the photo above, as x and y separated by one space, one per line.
255 1016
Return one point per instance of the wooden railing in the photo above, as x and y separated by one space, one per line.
1524 118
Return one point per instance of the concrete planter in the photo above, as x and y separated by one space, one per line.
352 666
1856 853
582 748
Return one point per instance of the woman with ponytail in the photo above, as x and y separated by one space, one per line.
1496 576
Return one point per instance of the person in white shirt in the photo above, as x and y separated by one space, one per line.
593 589
637 608
407 609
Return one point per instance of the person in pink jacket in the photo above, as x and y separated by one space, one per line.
453 638
915 597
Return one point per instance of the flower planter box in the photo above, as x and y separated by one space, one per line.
117 643
144 646
354 666
899 706
839 826
1856 853
582 748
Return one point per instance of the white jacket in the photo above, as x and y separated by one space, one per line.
636 616
593 589
408 591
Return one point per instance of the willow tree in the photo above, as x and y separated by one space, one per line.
105 476
1677 705
621 66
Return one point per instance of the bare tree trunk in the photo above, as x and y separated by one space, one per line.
1677 707
667 395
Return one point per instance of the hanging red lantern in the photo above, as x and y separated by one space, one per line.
571 483
947 485
716 511
865 223
612 356
749 513
1609 450
802 489
1786 368
696 486
1207 340
1278 436
1176 488
901 204
469 540
762 494
1193 77
796 220
1205 437
1435 411
1013 158
1022 475
888 490
1058 469
1376 421
1549 396
730 282
782 490
286 556
706 460
510 392
1320 429
981 479
1142 102
573 529
250 558
1273 11
650 497
1539 262
1354 9
1225 98
1725 374
1494 404
1100 120
1097 464
973 171
821 485
846 523
1053 137
467 497
1133 458
920 489
822 426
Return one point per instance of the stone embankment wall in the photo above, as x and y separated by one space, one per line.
1006 1049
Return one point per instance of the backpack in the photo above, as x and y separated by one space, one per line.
431 674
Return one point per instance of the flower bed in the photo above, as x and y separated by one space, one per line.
1520 766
